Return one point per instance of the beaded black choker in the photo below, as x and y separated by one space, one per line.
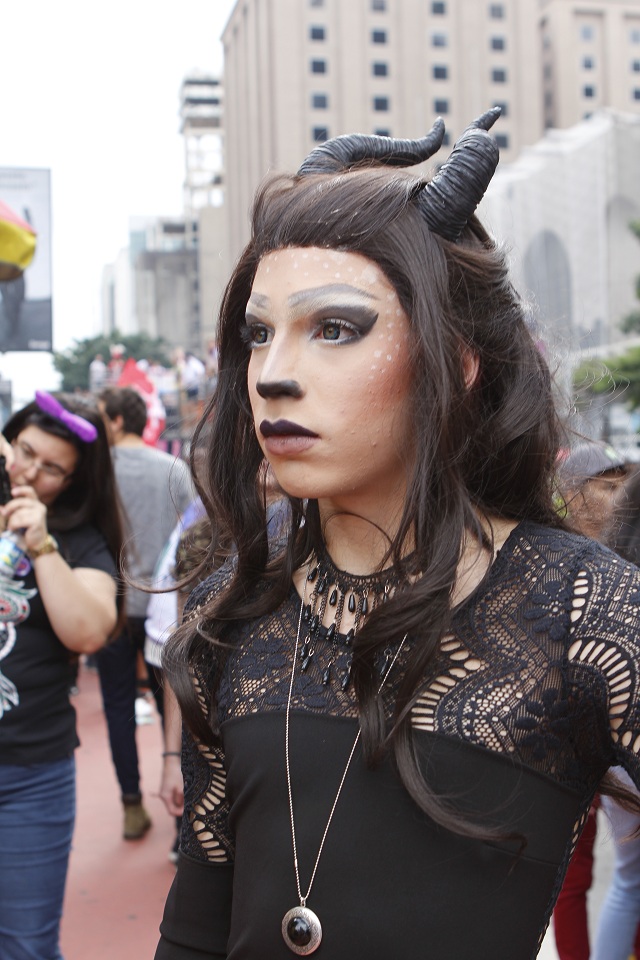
337 591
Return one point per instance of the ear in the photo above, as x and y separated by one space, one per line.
470 366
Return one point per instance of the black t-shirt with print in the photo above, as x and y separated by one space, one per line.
37 720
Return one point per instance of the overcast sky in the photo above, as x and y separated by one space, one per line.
91 91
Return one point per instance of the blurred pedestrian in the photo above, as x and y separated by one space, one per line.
163 614
590 477
617 931
154 489
63 506
97 374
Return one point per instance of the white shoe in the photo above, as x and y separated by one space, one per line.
144 711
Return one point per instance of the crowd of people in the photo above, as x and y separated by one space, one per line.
394 640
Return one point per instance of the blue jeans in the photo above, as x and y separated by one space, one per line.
37 813
620 914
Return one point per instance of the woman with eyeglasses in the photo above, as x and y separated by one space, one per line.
62 602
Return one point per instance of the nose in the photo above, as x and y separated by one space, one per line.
272 389
30 470
280 371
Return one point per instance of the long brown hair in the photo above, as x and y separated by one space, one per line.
490 448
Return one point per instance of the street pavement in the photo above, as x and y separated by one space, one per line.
116 889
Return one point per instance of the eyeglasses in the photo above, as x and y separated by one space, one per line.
28 457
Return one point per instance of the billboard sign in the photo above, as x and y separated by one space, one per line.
25 298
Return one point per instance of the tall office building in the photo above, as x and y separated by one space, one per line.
590 58
300 71
201 125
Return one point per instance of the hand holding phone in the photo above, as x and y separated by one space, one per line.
5 482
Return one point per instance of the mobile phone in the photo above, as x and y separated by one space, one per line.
5 482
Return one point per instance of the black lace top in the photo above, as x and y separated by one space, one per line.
534 695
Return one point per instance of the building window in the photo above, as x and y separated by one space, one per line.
380 104
319 101
498 43
499 75
502 139
317 33
316 3
439 40
504 107
588 63
636 94
320 134
446 140
586 31
440 72
634 36
589 91
378 36
438 8
379 6
318 66
382 132
441 106
380 69
496 11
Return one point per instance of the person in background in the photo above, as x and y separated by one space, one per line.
154 488
617 934
63 504
590 479
97 374
192 375
164 611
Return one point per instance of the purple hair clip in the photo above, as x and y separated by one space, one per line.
78 425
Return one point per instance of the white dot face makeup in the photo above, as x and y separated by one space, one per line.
330 397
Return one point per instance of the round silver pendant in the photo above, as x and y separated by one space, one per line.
301 931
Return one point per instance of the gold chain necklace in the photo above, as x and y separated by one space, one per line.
301 928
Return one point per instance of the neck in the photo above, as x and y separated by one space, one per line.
358 542
359 545
129 440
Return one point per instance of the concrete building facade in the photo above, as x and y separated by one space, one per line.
563 211
300 71
590 58
169 280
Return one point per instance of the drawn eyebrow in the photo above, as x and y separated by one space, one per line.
314 295
331 289
258 299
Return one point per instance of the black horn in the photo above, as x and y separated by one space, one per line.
344 152
449 200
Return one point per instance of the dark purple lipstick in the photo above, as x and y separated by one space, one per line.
284 428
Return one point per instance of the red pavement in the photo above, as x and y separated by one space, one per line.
116 888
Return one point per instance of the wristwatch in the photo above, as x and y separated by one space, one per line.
48 545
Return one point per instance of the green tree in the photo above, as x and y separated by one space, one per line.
631 323
73 363
617 378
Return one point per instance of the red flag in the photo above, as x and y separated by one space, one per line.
132 376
